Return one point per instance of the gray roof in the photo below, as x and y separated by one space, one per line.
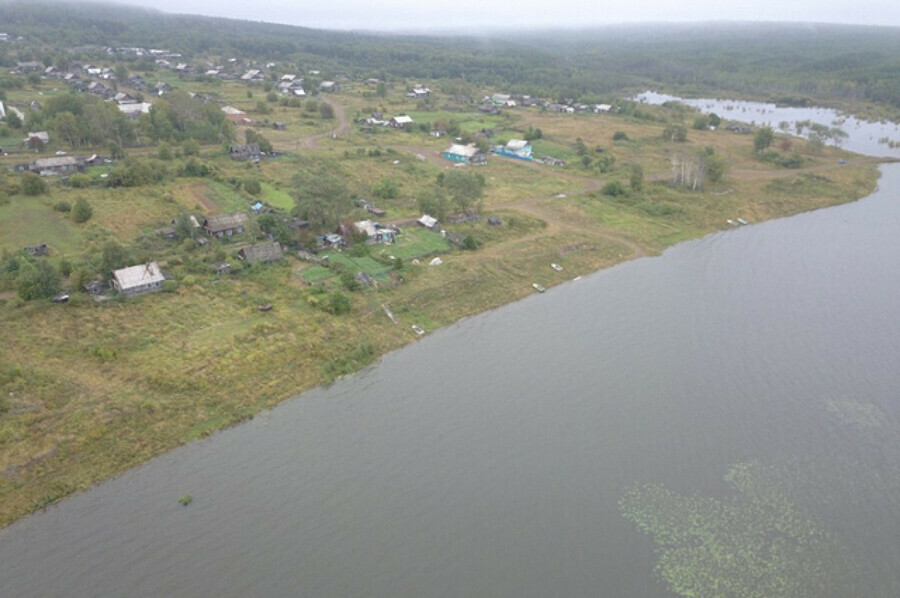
223 222
138 276
264 252
56 162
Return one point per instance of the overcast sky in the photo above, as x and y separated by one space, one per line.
429 15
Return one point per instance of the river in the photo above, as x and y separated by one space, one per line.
489 458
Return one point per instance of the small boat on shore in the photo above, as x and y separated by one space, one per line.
538 287
742 221
418 330
556 267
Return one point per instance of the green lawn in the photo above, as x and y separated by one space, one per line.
418 242
227 198
277 198
35 222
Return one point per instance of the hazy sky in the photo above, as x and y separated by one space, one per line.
503 14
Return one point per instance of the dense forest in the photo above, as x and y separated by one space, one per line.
793 63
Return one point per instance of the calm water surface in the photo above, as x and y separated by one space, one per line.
488 459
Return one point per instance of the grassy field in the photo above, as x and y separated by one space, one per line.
89 389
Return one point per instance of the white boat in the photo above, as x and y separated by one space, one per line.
418 330
742 221
556 267
538 287
731 222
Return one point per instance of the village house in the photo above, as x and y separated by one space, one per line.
515 148
429 222
145 278
225 225
465 154
600 108
500 99
328 86
134 111
162 88
32 66
125 98
249 151
37 139
253 76
376 233
263 253
2 110
418 92
57 165
401 122
238 117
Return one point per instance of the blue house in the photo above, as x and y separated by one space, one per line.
516 148
465 154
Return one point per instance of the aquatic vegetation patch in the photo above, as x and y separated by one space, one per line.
854 413
753 543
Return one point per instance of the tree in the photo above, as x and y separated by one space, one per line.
13 120
322 199
190 147
253 136
636 177
184 228
381 89
465 189
33 184
164 151
714 120
673 132
252 185
81 211
37 281
66 127
434 203
113 257
580 147
326 111
715 168
763 139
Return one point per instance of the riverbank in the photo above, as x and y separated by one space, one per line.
94 389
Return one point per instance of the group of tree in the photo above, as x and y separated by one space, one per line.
454 191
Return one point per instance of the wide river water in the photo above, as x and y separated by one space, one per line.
489 458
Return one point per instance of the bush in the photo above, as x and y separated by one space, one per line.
620 136
190 147
349 281
339 304
169 286
326 111
37 281
79 181
81 211
470 243
62 206
614 189
32 184
385 189
252 186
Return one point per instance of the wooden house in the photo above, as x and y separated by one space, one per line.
263 253
225 225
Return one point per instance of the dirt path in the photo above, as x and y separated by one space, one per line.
342 129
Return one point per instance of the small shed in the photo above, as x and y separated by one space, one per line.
429 222
262 253
401 122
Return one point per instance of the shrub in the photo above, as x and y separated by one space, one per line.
38 280
339 304
385 189
190 147
79 181
614 189
349 281
32 184
252 186
620 136
169 286
81 211
470 243
62 206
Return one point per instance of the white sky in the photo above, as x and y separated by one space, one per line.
429 15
